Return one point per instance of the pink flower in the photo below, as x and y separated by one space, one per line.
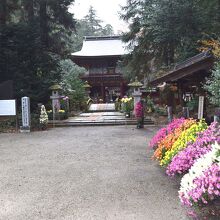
139 110
183 161
206 187
163 132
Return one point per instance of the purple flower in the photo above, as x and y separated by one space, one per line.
182 162
163 132
206 187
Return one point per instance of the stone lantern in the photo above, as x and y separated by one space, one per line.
55 99
136 93
87 88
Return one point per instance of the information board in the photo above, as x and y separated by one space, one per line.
7 107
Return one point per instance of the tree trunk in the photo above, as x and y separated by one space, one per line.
218 13
29 8
44 23
3 12
165 56
171 53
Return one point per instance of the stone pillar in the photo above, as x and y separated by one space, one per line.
216 118
201 107
136 85
26 116
216 115
55 103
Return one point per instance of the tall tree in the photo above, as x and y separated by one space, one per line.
35 36
90 25
93 23
166 31
3 12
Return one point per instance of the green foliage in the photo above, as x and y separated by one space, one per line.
161 110
7 125
193 104
72 84
212 85
163 32
34 37
127 104
90 25
149 104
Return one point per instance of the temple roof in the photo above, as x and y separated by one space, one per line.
202 61
102 46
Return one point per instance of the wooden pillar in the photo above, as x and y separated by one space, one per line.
103 91
121 89
180 93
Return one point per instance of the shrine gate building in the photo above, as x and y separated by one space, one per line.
100 57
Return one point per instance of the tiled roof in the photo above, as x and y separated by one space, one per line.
102 46
199 62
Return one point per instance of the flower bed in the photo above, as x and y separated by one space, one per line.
163 132
182 162
191 148
187 136
202 183
167 142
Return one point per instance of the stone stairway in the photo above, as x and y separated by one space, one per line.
99 119
105 107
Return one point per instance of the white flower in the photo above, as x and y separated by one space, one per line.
198 168
43 115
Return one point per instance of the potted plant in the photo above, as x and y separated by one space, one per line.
127 106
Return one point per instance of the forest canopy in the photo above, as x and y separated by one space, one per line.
163 32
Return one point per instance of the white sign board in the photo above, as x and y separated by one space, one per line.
7 107
201 107
25 106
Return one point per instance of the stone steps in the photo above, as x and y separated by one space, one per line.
105 107
108 122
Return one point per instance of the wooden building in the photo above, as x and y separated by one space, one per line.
188 76
100 57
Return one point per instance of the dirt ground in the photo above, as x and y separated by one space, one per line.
88 173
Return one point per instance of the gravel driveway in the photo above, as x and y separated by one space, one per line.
88 173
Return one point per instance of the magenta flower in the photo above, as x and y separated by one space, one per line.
163 132
183 161
207 187
139 110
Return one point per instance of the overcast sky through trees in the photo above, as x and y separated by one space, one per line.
106 10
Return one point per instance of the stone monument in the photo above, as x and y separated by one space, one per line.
201 107
26 116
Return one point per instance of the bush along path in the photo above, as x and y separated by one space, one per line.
191 149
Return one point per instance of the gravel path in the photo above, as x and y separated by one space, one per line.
88 173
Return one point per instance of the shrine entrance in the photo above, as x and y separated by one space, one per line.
106 88
105 107
100 56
